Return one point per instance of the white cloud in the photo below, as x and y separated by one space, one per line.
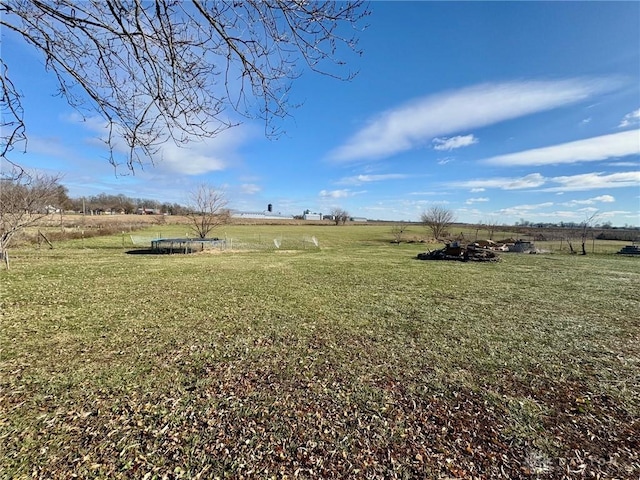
195 157
629 119
193 160
522 210
444 161
586 181
471 201
622 164
206 155
360 179
532 180
604 199
596 180
591 201
613 213
614 145
337 193
588 210
93 123
444 143
413 125
477 190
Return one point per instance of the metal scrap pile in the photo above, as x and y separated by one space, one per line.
466 253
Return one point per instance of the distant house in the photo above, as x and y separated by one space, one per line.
147 211
358 219
51 209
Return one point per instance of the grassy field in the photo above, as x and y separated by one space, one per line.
351 360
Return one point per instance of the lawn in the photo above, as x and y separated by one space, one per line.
351 360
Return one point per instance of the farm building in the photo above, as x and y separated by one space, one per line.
265 215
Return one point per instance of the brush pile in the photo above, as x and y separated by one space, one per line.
462 253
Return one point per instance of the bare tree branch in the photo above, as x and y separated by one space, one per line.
12 125
175 70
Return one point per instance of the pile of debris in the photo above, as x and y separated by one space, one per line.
462 253
630 250
512 245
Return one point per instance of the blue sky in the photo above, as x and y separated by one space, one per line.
500 111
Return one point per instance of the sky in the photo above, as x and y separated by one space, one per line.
498 111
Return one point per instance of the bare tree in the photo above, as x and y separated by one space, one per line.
398 232
24 200
340 216
175 70
437 219
208 210
585 227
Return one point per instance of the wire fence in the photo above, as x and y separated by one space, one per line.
264 242
247 242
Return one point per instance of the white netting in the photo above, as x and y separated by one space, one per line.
263 242
142 239
248 242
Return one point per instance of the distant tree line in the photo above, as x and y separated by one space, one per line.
572 225
120 204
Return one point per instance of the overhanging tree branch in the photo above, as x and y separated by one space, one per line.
172 70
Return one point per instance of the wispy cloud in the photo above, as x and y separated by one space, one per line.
615 145
596 180
205 155
345 193
629 119
360 179
591 201
518 209
195 157
542 212
444 143
525 210
471 201
415 124
622 164
586 181
194 160
532 180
